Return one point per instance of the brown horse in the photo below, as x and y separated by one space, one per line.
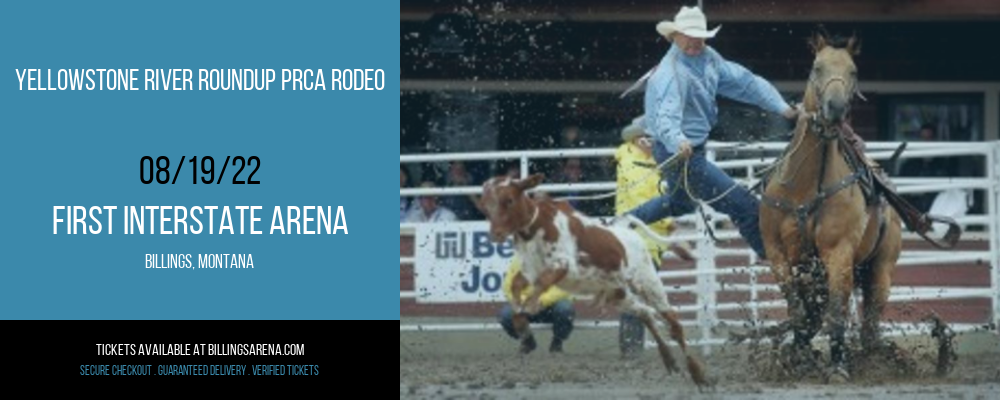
814 211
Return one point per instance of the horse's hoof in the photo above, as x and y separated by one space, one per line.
838 376
706 385
672 368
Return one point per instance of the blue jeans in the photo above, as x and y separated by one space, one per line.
631 334
560 315
706 182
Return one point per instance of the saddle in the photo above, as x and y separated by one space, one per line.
878 190
916 221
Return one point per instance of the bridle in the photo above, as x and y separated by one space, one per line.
819 123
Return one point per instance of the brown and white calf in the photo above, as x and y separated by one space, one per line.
560 246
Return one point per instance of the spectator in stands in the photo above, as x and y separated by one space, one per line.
404 202
464 207
571 173
513 171
429 210
556 309
570 138
638 182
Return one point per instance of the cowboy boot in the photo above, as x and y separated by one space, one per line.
556 346
528 344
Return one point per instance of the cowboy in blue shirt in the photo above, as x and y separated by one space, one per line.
681 111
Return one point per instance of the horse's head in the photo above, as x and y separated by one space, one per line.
506 205
834 78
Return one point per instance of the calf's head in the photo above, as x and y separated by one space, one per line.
507 206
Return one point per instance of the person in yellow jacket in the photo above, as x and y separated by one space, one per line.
638 182
556 309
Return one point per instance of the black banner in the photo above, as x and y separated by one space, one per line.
111 352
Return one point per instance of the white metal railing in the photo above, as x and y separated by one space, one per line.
706 271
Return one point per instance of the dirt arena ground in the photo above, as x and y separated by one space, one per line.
484 365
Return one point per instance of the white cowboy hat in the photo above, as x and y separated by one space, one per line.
634 130
689 21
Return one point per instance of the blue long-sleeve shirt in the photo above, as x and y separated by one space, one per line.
680 95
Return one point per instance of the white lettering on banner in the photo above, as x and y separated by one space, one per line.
457 263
